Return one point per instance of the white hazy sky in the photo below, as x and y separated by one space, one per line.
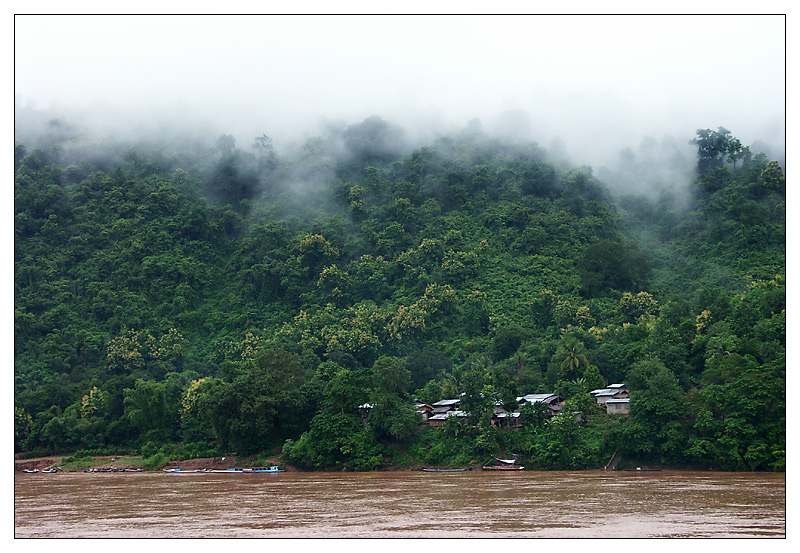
598 82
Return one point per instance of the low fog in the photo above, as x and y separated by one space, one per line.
622 95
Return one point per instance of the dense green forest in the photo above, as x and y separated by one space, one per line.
197 298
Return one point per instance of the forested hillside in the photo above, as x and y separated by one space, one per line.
203 298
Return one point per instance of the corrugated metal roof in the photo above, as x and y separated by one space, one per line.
447 402
447 415
613 389
533 398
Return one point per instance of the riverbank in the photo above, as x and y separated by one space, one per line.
99 462
41 463
68 464
135 462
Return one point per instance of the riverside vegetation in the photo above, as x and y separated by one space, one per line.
179 300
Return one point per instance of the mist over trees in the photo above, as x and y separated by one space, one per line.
227 294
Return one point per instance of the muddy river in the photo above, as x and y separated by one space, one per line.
400 505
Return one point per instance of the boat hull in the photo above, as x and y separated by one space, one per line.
225 471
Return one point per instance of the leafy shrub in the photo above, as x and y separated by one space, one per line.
156 461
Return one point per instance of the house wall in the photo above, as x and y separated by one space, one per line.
617 408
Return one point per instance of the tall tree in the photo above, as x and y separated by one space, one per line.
572 356
712 146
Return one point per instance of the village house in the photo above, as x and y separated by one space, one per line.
440 418
423 409
612 391
614 397
501 417
444 409
617 406
554 402
437 413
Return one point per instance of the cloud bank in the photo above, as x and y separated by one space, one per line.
596 84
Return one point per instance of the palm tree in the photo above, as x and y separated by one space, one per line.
454 381
520 361
573 355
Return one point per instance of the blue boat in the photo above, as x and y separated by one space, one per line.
265 469
226 471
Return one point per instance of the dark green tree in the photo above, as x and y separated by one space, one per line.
712 147
657 413
612 266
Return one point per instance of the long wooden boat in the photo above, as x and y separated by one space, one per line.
227 471
443 470
510 467
248 470
117 469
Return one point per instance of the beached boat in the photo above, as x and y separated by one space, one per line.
504 464
227 471
30 471
264 469
250 470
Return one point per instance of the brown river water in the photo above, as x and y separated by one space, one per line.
592 504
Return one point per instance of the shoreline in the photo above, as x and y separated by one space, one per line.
217 463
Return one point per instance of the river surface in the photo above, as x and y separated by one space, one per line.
401 505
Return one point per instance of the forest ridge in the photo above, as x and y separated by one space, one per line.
188 299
